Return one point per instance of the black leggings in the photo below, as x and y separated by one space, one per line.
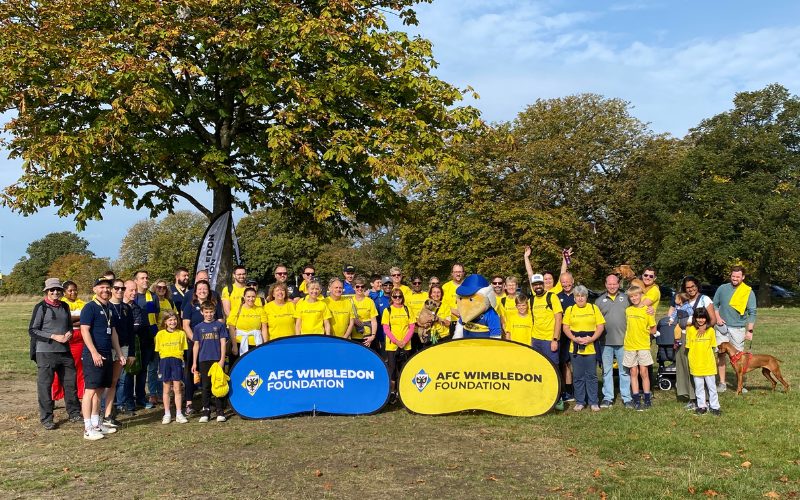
219 403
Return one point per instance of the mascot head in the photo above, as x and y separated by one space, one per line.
475 297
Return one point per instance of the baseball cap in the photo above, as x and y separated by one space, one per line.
537 278
103 281
386 279
349 269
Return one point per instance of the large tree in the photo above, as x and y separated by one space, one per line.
29 273
315 105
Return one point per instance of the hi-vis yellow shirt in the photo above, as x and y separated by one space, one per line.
521 327
415 303
639 325
544 317
165 306
654 294
702 361
280 319
312 316
509 308
171 344
366 311
583 319
341 313
247 319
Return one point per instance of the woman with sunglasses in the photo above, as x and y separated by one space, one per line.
161 290
398 326
415 301
280 312
366 321
75 342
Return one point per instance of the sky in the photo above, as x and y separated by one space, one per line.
676 62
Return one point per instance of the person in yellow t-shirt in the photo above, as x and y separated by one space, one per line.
342 317
312 315
415 300
449 289
701 344
640 326
397 281
440 330
170 346
507 306
366 323
583 325
398 325
651 293
232 294
280 312
519 324
547 317
247 324
161 290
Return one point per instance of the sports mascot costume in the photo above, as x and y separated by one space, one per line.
476 305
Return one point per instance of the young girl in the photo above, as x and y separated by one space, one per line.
248 325
170 345
312 315
701 342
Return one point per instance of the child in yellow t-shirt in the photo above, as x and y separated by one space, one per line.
701 344
519 324
638 358
171 345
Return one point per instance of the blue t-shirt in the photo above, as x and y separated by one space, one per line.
381 303
566 301
348 288
192 312
100 320
209 335
179 298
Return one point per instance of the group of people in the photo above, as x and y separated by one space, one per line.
135 345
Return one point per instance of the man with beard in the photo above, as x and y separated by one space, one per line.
180 287
547 316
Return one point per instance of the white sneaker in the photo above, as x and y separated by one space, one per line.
166 419
721 387
744 390
181 419
221 418
203 419
92 434
105 429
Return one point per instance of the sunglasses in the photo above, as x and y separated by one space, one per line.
397 275
497 282
308 274
118 288
281 274
649 275
397 296
160 287
416 282
358 286
434 283
55 290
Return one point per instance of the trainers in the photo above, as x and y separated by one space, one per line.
559 405
166 419
721 387
221 418
111 422
567 397
74 419
189 410
105 429
606 404
638 406
578 407
149 405
690 406
648 404
595 408
716 412
700 411
629 405
92 434
744 390
48 425
203 419
181 419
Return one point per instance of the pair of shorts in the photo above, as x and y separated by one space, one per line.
543 348
563 350
642 357
124 350
170 369
97 377
732 334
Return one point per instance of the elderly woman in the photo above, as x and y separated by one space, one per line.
684 384
583 324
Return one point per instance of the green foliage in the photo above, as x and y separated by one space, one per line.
316 106
161 246
372 253
29 273
80 268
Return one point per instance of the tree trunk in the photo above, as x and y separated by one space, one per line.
223 201
764 297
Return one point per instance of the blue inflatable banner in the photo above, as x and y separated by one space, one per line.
308 373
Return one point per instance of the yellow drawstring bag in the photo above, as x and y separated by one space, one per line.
219 381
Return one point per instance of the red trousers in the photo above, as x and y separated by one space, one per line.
76 348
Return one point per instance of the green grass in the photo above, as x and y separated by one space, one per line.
752 450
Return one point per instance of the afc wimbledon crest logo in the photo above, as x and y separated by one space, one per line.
252 382
421 380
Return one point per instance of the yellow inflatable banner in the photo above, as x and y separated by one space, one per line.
494 375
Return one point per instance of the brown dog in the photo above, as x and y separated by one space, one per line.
743 362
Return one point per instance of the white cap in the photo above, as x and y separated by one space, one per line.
537 278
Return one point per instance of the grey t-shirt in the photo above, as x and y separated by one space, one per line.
613 309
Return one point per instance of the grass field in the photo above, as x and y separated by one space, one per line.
752 451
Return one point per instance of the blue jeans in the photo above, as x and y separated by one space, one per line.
154 385
584 378
609 353
124 395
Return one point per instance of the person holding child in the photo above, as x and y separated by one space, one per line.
210 340
637 358
170 346
701 344
583 324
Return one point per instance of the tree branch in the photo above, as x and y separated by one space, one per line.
179 192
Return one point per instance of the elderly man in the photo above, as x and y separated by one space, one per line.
612 304
735 308
51 330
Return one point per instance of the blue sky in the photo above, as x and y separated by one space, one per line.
676 62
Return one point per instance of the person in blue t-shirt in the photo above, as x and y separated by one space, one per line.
210 340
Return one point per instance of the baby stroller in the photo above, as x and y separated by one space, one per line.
665 340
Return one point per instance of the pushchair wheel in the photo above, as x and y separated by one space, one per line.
664 384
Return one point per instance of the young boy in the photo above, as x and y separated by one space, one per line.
210 338
637 358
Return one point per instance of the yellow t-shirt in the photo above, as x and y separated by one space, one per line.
77 305
507 310
235 296
557 288
341 313
247 319
171 344
406 291
449 297
583 319
312 316
544 317
654 294
521 327
415 303
280 319
702 361
398 321
366 311
637 333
